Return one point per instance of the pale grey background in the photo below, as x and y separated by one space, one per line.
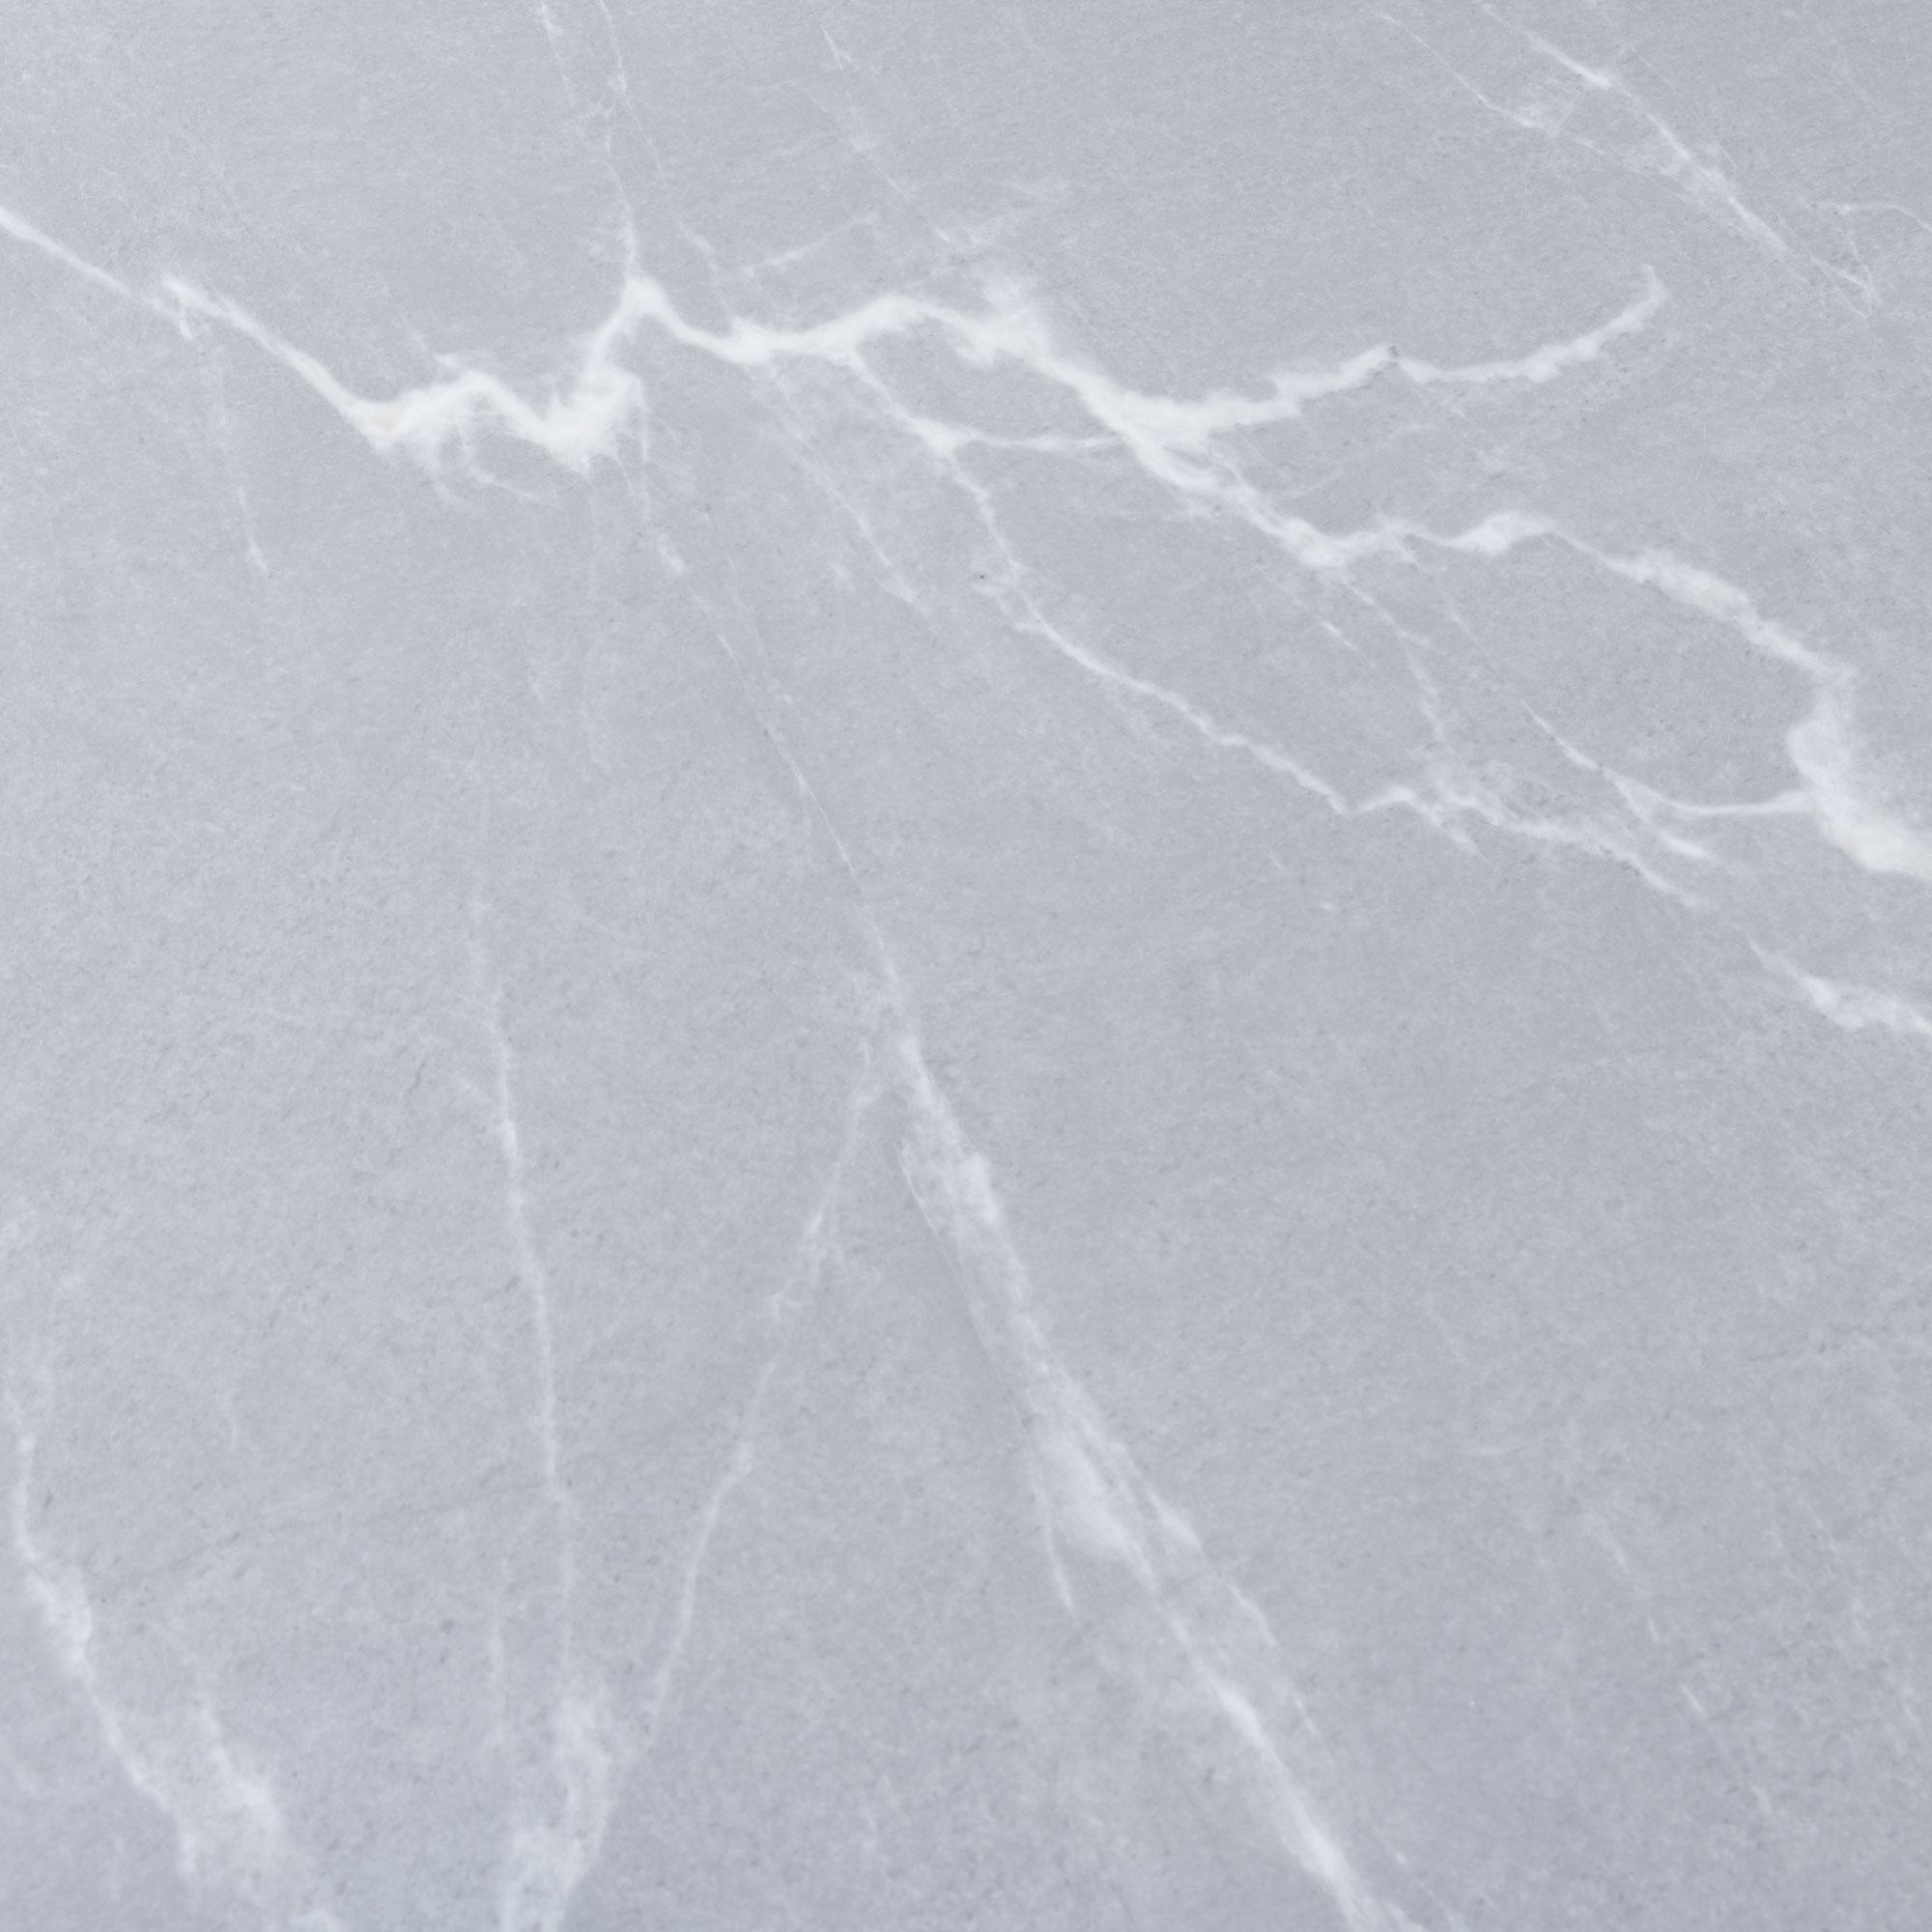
821 1145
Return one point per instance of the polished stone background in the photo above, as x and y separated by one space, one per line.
966 966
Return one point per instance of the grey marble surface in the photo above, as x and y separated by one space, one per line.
966 966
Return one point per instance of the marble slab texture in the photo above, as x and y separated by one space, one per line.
967 964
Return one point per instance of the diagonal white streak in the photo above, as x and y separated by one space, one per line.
1646 145
230 1831
814 1249
1188 1641
559 1822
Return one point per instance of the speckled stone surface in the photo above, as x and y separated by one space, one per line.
966 966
